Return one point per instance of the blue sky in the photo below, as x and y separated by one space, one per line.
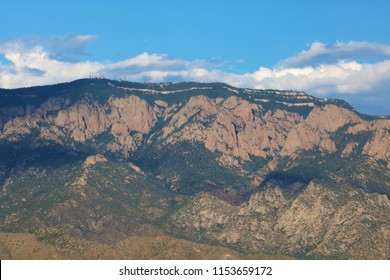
326 48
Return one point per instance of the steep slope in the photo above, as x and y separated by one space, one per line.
93 198
271 171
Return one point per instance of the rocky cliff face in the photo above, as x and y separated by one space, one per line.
232 126
278 172
86 119
316 130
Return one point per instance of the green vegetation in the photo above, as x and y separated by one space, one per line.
189 168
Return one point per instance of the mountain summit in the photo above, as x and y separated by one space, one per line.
258 171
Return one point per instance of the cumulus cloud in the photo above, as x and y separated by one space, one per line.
36 67
339 69
320 53
34 61
325 70
58 47
344 77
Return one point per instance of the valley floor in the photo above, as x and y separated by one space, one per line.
46 246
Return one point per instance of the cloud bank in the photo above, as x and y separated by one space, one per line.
325 70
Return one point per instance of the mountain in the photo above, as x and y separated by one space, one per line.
264 172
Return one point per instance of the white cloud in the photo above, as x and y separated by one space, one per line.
320 53
64 46
344 77
35 67
326 70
